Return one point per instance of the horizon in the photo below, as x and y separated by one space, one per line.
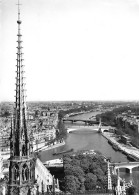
53 101
73 50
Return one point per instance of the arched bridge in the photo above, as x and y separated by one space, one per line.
90 128
86 121
128 165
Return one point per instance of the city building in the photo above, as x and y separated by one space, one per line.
125 139
128 121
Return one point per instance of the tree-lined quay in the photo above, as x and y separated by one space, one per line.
126 121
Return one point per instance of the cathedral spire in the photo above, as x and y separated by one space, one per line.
22 164
20 91
20 118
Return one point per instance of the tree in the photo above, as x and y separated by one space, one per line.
103 166
92 177
77 171
92 167
62 130
98 172
66 160
72 184
131 190
81 180
102 181
6 113
68 169
85 165
90 182
76 162
114 180
119 132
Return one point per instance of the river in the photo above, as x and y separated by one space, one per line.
84 139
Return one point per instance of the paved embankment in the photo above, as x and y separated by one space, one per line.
49 147
124 148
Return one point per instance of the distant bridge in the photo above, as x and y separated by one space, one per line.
86 121
128 165
90 128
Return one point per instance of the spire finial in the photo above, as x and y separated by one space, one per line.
18 4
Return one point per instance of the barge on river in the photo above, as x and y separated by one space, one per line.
63 152
115 147
132 158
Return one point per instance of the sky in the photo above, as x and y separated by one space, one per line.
73 49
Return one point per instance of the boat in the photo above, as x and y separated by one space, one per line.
110 142
115 147
63 152
124 152
120 149
131 157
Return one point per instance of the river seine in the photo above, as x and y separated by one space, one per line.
86 139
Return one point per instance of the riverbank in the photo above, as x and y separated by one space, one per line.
88 113
125 149
49 147
79 113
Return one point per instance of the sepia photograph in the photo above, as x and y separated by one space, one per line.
69 98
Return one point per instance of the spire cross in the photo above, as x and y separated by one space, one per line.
18 4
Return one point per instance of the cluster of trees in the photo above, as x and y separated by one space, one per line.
61 131
110 119
130 129
135 141
62 113
85 173
5 113
5 110
109 116
131 190
133 133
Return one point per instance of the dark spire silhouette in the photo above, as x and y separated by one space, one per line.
22 163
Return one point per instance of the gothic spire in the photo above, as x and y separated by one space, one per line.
20 119
22 163
20 91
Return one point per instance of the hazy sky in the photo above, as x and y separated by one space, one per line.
73 49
